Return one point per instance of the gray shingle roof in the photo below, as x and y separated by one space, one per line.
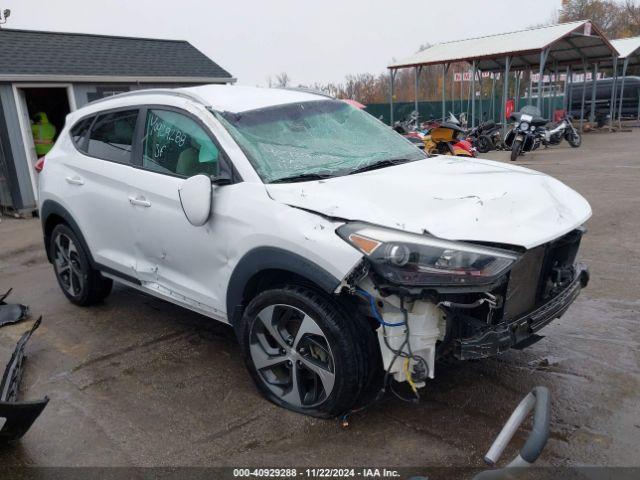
24 52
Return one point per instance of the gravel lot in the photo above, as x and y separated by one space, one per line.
139 382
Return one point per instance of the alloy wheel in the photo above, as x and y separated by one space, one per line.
67 264
292 356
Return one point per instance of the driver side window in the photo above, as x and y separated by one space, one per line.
175 144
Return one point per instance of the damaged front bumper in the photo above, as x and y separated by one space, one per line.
17 417
521 332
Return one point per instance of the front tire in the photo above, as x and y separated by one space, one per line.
485 144
80 283
516 148
304 353
574 139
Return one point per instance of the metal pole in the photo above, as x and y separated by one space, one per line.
584 92
415 88
567 90
517 94
461 90
543 59
480 102
505 94
530 84
612 100
453 94
445 67
624 73
473 94
392 76
468 101
552 110
493 96
592 115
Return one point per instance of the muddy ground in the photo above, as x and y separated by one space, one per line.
137 381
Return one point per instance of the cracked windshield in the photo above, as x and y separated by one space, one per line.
313 140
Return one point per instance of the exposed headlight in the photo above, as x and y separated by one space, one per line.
524 126
411 259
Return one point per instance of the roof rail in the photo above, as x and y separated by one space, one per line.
147 91
308 90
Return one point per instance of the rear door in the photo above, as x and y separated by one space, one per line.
97 188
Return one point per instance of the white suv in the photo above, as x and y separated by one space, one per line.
343 256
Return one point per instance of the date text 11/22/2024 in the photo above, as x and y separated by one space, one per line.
315 473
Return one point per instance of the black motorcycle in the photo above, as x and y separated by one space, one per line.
528 133
486 136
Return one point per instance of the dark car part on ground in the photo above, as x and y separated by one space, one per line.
11 312
17 417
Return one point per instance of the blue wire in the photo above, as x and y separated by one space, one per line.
374 310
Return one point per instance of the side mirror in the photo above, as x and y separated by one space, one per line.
195 198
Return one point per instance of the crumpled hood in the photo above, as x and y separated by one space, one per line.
451 198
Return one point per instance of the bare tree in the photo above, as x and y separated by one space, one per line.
283 80
614 18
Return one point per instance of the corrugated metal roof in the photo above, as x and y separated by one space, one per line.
627 46
47 54
568 43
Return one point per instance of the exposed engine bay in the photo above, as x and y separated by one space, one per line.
419 324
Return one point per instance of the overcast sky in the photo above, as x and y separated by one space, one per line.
320 41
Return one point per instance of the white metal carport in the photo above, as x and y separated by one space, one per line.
566 45
629 54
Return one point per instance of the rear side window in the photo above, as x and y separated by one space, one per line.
111 136
79 132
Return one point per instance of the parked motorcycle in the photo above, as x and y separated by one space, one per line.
449 139
564 129
486 136
528 132
409 129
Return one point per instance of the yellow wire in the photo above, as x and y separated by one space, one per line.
407 374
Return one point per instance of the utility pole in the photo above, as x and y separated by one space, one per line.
4 14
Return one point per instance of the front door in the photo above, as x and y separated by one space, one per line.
174 258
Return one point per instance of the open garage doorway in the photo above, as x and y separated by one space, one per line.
56 102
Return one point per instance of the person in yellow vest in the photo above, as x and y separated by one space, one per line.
43 133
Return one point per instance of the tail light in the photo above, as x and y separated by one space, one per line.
39 164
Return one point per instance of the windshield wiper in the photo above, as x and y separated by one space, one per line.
302 177
381 164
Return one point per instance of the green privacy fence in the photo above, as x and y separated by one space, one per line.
485 109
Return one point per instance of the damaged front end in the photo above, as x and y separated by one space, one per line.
434 298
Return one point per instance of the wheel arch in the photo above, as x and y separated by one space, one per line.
53 214
272 266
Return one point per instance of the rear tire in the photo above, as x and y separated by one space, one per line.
80 283
516 148
306 353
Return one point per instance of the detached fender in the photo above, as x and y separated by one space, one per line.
272 258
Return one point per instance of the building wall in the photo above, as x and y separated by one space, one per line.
15 154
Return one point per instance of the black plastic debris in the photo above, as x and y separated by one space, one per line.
11 312
17 417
